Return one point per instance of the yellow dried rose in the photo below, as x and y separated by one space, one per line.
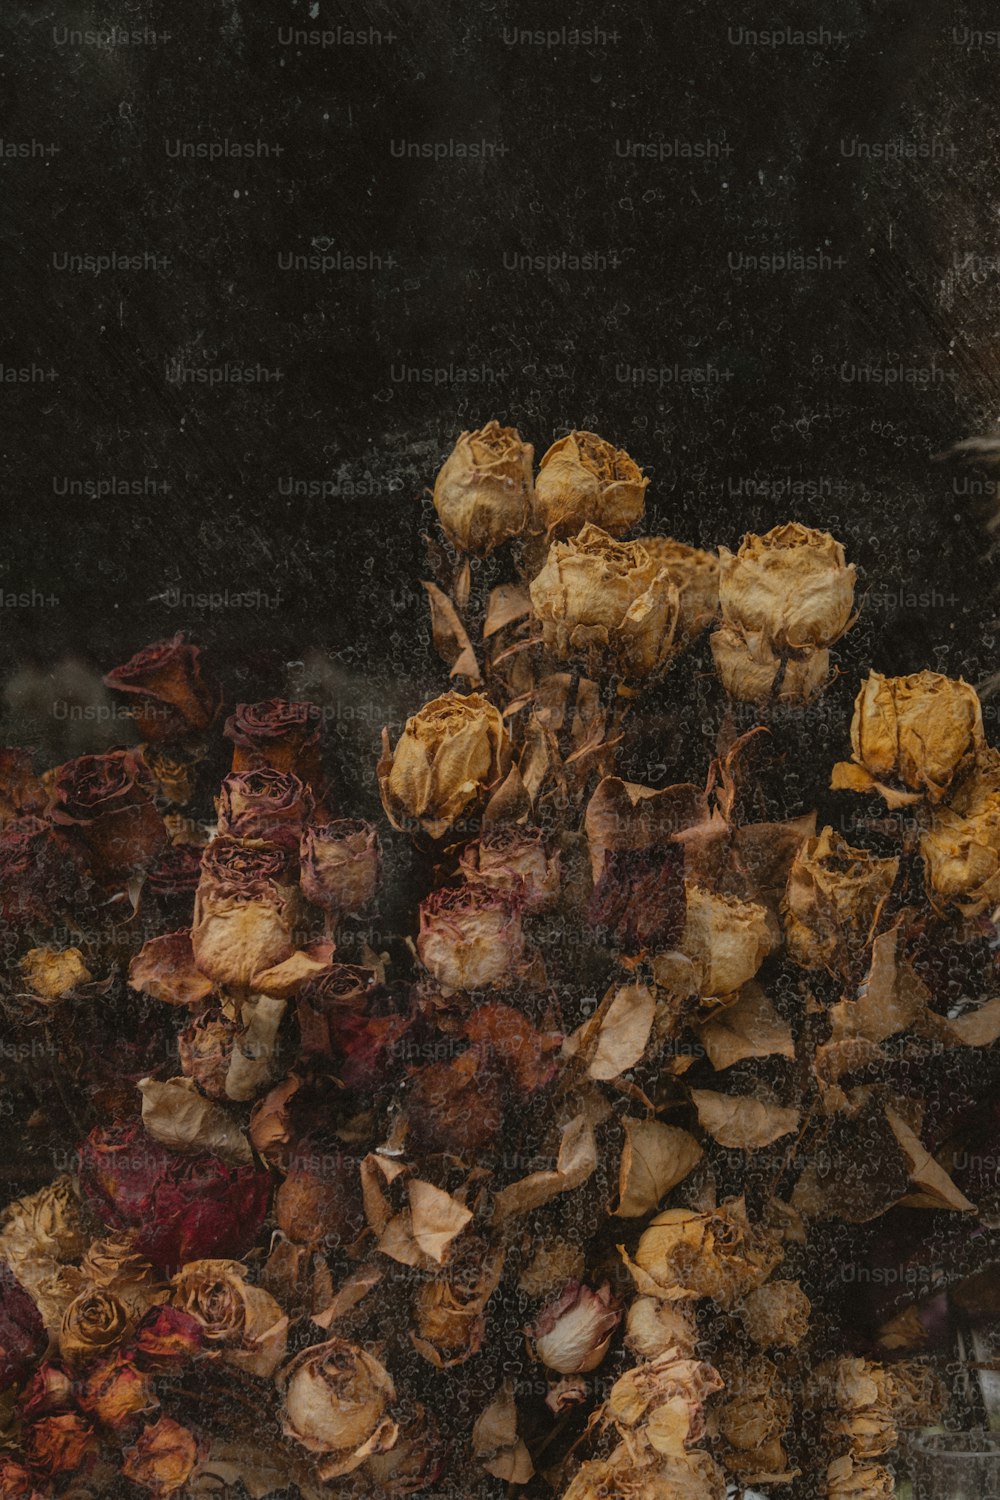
607 603
961 848
833 899
776 1314
52 974
93 1324
685 1255
449 758
665 1398
848 1480
337 1406
482 495
635 1472
792 587
583 478
696 574
241 1323
917 733
752 671
726 939
45 1225
752 1420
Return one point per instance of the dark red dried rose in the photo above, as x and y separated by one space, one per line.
455 1106
175 871
42 873
165 1339
60 1444
49 1390
639 897
170 693
319 1203
181 1207
23 1339
342 991
265 805
369 1049
341 863
104 803
279 734
230 863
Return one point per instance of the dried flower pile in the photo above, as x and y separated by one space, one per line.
555 1190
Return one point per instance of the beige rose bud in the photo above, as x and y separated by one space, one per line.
514 859
791 586
726 939
46 1224
752 1419
696 575
776 1314
961 848
833 899
449 758
685 1255
922 731
241 1323
482 495
583 478
340 864
243 918
94 1323
470 936
337 1406
571 1335
607 603
751 671
652 1327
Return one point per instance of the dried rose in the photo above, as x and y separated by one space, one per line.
553 1263
240 1322
114 1265
165 1339
726 939
631 1475
103 802
961 847
921 731
60 1444
337 1406
791 586
173 875
482 494
319 1203
45 1224
413 1464
514 859
206 1048
450 1310
528 1056
696 575
168 689
455 1106
776 1314
470 936
244 912
94 1323
639 897
451 755
341 864
175 771
180 1207
846 1479
279 734
752 671
43 874
52 974
833 900
573 1332
583 478
162 1458
16 1482
719 1254
663 1401
23 1339
327 1002
652 1327
116 1391
751 1421
606 602
265 806
49 1390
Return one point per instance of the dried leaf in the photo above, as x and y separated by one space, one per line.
495 1441
437 1218
284 979
618 1039
751 1027
451 640
577 1159
165 968
936 1188
741 1121
891 1000
508 602
180 1118
655 1158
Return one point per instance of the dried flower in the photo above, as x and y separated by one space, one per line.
696 575
833 900
53 974
49 1390
847 1479
319 1203
241 1323
206 1047
515 860
582 478
751 1421
573 1332
753 671
921 731
652 1327
162 1458
45 1225
169 693
104 803
553 1263
776 1314
450 1310
16 1482
338 1401
277 734
451 755
60 1444
341 864
166 1338
726 939
664 1399
606 602
961 847
718 1254
482 494
792 587
243 912
455 1106
93 1323
265 806
22 1334
470 935
116 1391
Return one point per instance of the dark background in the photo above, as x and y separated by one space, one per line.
754 373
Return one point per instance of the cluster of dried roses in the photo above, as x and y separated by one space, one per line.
403 1198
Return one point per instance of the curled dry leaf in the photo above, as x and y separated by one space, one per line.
741 1121
165 968
655 1158
422 1234
615 1036
180 1118
892 998
751 1027
451 640
575 1162
495 1442
935 1187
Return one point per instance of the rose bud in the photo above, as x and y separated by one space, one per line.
104 803
162 1458
341 864
718 1254
450 1310
571 1334
342 990
606 603
43 874
450 757
271 1127
337 1406
792 587
652 1327
180 1207
116 1391
173 875
553 1263
961 848
696 575
470 936
319 1204
23 1339
206 1048
776 1313
265 805
60 1444
752 671
482 495
50 1390
244 912
281 735
93 1324
240 1323
455 1106
166 1339
169 692
583 478
849 1478
53 974
46 1224
833 900
726 939
639 897
515 860
922 731
412 1465
16 1482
